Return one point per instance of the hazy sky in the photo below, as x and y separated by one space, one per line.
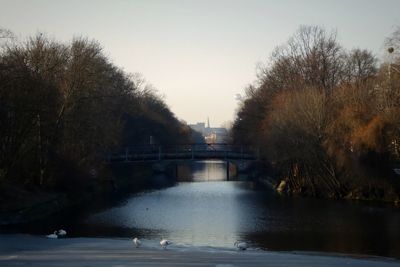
199 54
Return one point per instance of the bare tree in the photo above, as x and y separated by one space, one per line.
361 65
6 34
313 56
63 106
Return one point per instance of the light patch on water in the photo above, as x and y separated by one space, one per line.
192 213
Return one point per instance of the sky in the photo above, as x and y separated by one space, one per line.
200 54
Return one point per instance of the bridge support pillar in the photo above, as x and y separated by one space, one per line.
227 170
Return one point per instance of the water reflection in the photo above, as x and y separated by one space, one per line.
205 171
200 214
208 171
213 212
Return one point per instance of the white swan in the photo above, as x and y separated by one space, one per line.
241 245
53 235
137 242
62 233
164 243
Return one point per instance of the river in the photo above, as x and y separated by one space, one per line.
205 210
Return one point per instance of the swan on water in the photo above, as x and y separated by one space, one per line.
53 235
164 243
241 245
62 233
137 242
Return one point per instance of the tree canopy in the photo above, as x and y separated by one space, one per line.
63 106
328 117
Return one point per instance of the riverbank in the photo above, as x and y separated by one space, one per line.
17 250
20 205
357 194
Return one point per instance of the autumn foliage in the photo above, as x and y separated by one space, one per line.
326 119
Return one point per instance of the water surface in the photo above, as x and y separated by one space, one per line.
205 210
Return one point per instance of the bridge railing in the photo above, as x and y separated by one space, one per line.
183 151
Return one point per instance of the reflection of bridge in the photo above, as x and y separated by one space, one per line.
183 152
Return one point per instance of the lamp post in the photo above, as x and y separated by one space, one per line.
390 50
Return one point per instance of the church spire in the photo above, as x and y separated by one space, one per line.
208 122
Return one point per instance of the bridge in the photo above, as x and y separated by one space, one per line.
175 152
161 156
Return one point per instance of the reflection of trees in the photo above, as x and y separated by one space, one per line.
184 172
327 226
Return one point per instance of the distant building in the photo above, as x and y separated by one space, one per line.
211 134
199 127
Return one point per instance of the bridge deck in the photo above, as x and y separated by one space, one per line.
183 152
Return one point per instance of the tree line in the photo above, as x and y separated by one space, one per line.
326 118
63 106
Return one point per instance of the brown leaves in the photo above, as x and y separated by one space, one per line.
371 135
329 112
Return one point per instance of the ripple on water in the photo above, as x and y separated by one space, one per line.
217 213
